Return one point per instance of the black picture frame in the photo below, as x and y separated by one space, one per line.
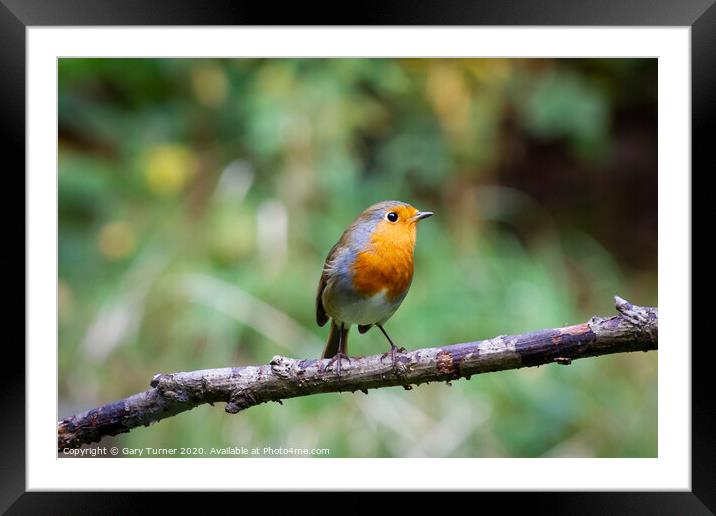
16 16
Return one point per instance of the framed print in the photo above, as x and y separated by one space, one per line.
427 251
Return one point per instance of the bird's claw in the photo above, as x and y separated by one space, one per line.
398 368
338 358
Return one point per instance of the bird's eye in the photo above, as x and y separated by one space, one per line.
392 216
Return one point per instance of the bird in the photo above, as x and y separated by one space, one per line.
367 275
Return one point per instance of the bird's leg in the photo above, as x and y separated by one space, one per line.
393 348
340 355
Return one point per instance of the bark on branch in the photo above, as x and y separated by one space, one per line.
634 328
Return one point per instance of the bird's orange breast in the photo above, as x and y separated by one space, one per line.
387 263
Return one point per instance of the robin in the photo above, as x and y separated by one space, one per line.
367 275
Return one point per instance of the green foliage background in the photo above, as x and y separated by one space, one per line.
198 199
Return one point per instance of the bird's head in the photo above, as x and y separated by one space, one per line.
392 222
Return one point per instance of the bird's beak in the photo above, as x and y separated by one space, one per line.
422 215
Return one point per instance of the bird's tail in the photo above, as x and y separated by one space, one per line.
336 337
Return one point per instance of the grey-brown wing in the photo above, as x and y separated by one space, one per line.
321 315
329 268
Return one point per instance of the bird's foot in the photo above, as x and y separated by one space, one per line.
337 358
398 368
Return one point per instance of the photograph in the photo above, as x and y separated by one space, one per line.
357 257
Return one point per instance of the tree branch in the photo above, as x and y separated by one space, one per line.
634 328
